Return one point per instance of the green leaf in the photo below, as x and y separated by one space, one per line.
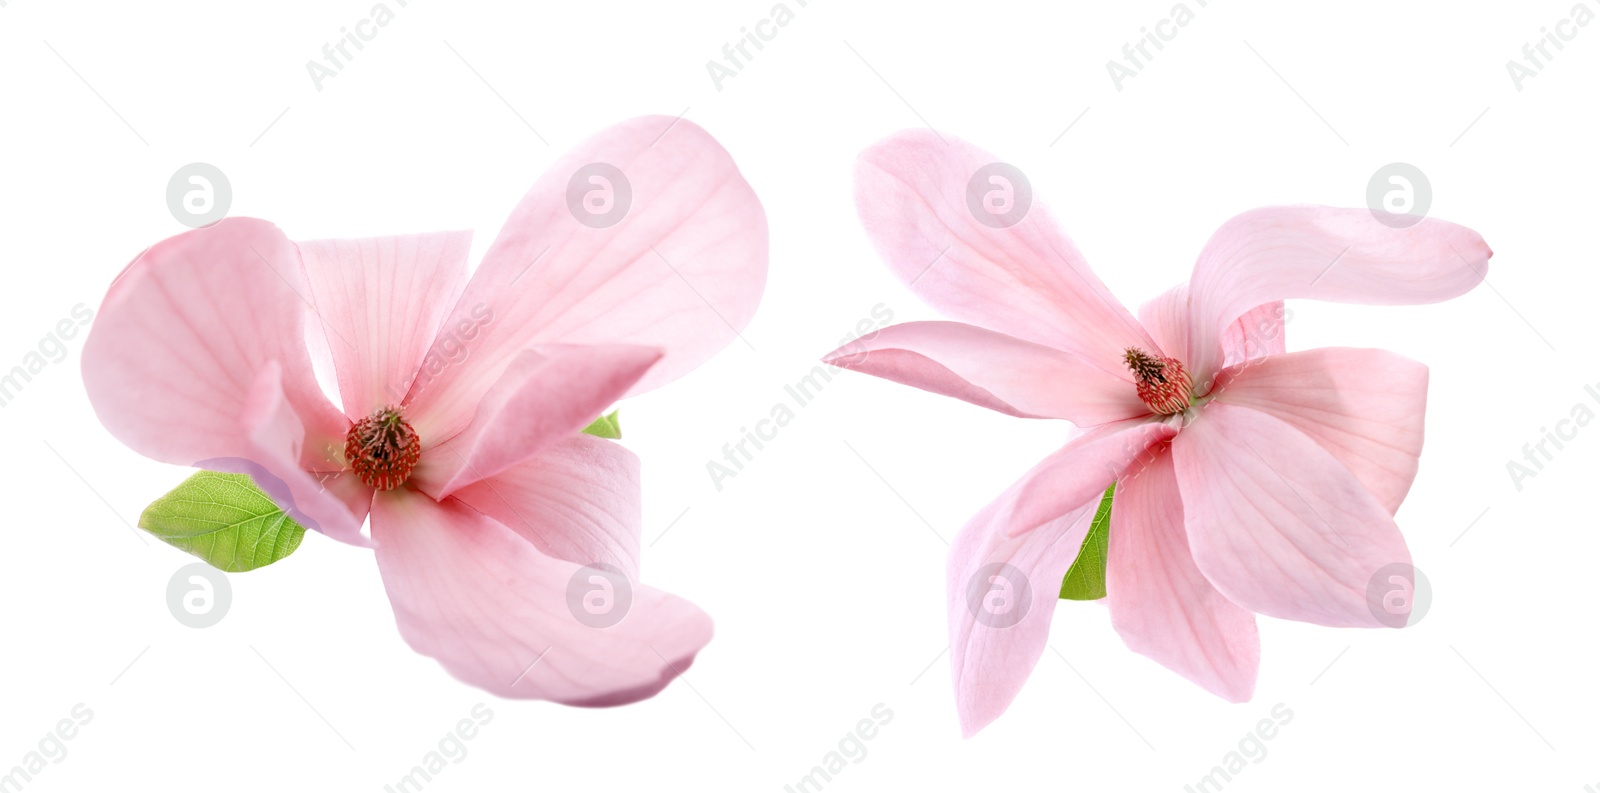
225 520
607 426
1087 578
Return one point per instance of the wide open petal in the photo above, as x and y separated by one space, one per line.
578 501
500 615
381 301
172 356
996 371
1342 255
327 501
547 393
1160 602
1365 407
1277 523
680 267
1002 583
1026 279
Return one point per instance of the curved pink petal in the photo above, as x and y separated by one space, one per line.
1342 255
1083 469
1025 280
1003 581
578 501
1166 318
1278 524
1160 602
173 354
380 302
1365 407
681 268
272 459
993 370
500 615
1259 332
547 393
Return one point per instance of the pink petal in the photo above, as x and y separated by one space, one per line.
272 460
1025 280
577 501
1276 523
1166 318
495 611
1161 604
547 393
993 370
681 271
1083 469
380 301
1257 334
1002 591
1003 580
173 354
1343 255
1365 407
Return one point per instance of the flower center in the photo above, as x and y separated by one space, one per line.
1164 384
382 448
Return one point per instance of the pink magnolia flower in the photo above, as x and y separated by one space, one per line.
1249 480
462 401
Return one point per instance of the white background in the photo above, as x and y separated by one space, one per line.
823 566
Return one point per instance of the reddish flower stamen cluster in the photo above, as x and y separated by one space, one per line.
383 449
1164 384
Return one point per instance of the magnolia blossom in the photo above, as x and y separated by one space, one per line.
1249 480
460 402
